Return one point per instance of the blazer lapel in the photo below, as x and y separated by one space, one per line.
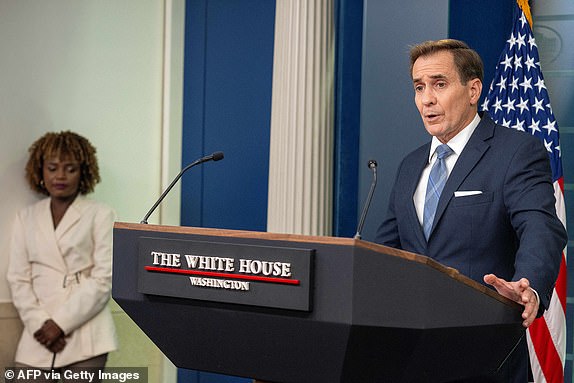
471 154
48 235
72 215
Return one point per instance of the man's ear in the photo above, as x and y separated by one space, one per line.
475 90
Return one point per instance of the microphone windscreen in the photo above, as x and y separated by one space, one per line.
217 156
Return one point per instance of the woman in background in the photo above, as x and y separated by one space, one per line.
60 260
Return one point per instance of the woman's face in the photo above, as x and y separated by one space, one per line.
61 177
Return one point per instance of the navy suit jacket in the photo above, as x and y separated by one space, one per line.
509 229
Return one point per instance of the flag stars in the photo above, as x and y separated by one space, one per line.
534 126
532 42
538 105
550 126
497 105
520 40
525 84
511 41
518 96
484 105
507 62
522 20
502 83
509 105
540 85
517 62
529 62
548 146
519 125
514 84
523 105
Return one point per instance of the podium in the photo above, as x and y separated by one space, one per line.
298 309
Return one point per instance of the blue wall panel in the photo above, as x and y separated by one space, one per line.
193 112
349 47
227 107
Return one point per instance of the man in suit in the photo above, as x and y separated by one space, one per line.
485 203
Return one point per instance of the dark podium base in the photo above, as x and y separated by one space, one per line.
378 315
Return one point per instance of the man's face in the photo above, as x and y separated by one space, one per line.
445 104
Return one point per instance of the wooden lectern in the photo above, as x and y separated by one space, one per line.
297 309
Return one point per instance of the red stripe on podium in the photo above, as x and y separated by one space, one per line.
224 275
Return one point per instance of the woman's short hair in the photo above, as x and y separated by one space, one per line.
62 145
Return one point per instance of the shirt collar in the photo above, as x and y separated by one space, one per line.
458 142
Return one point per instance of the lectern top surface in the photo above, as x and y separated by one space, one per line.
323 240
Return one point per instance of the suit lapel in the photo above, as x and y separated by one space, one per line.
470 156
418 165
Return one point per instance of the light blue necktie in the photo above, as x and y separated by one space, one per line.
437 179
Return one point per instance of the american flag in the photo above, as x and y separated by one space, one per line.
518 99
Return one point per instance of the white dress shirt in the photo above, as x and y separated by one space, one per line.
457 144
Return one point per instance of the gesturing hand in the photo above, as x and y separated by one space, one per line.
519 292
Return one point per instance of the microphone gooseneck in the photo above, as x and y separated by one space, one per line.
372 164
215 156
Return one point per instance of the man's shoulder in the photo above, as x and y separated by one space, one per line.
421 151
508 138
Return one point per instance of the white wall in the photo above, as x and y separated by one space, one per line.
94 67
103 69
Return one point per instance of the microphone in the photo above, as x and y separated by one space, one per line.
372 164
216 156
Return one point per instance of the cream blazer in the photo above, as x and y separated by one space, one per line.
63 274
